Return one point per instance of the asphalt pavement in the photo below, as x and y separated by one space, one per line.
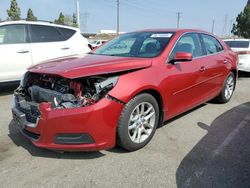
205 147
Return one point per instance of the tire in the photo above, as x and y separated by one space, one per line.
138 122
228 89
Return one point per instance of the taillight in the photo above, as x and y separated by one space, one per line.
243 52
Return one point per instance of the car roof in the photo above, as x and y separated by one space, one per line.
172 30
36 23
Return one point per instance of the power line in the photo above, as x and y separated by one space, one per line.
146 10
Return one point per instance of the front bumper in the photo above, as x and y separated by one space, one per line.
87 128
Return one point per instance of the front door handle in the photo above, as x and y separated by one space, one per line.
225 61
23 51
202 69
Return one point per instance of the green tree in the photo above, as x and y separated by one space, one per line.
14 12
30 16
242 26
60 20
74 21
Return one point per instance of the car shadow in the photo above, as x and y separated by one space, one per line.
243 74
8 88
20 141
222 157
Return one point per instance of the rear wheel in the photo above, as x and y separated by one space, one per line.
228 89
138 122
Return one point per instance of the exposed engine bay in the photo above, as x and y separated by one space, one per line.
62 92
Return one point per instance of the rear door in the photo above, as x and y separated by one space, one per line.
216 64
185 82
47 42
15 53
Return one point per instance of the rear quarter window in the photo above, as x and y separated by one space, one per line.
67 33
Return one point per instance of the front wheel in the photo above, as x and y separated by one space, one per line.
228 89
138 122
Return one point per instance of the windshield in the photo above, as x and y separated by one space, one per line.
137 44
237 44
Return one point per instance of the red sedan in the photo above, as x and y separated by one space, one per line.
121 92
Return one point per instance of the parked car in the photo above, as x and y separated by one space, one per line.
24 43
242 47
120 95
97 43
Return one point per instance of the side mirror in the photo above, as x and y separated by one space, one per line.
181 56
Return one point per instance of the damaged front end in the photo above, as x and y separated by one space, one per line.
67 114
63 92
55 92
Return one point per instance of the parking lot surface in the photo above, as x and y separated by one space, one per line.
205 147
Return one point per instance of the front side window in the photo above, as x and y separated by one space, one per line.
212 45
138 44
13 34
42 33
189 43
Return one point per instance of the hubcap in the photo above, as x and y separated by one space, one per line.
141 122
229 87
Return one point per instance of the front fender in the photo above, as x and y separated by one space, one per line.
133 83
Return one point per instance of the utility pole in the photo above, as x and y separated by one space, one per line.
178 19
213 26
84 18
78 13
231 28
118 17
224 29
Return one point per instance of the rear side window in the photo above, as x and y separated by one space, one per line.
212 45
237 44
189 43
13 34
67 33
42 33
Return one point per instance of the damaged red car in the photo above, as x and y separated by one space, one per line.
121 92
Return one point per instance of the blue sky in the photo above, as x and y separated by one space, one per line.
138 14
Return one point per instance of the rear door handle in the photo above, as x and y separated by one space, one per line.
225 61
65 48
202 69
23 51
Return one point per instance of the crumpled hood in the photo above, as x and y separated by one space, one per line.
89 65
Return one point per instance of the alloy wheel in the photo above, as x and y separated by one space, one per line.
141 122
229 87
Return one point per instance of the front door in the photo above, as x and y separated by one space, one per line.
185 81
